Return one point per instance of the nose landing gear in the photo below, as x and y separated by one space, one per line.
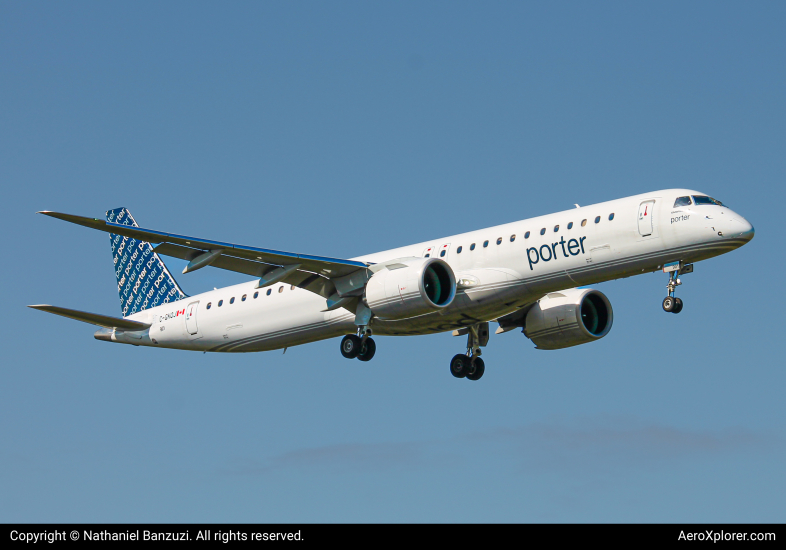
672 304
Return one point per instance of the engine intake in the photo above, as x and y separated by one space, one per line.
410 287
569 318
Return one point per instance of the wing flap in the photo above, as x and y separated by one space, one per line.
312 282
93 318
224 261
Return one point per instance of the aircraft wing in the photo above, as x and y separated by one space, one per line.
94 318
517 319
312 273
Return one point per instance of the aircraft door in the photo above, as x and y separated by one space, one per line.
645 218
429 252
191 320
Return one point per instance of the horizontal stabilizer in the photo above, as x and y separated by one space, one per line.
94 318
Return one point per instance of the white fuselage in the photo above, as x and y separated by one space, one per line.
517 266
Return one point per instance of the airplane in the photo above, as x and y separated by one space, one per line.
531 274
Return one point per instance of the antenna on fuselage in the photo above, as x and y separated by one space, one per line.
576 205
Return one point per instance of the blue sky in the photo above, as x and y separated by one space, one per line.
341 129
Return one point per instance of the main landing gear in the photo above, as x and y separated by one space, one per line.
469 365
360 346
671 303
465 366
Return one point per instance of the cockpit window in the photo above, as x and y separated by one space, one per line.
704 199
682 201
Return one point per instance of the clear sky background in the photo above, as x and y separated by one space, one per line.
341 129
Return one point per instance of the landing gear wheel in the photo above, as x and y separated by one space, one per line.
350 346
477 368
459 365
668 304
367 350
677 305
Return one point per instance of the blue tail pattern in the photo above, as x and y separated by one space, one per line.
143 281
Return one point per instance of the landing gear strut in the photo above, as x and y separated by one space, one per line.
672 304
469 365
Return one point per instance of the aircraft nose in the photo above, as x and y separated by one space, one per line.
744 229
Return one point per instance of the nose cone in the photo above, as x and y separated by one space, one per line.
748 231
743 229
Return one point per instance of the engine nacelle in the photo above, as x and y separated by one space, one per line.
410 287
569 318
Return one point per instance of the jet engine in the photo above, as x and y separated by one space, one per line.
569 318
410 287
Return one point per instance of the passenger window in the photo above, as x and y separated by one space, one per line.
499 241
543 231
269 290
556 228
232 300
280 289
442 254
611 216
583 223
428 256
472 246
256 294
243 299
292 287
485 244
458 250
526 235
570 225
512 238
208 305
220 303
597 219
682 201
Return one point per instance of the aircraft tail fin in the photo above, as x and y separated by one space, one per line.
143 281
